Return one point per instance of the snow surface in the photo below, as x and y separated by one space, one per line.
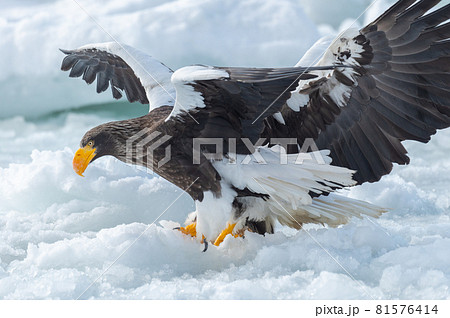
60 233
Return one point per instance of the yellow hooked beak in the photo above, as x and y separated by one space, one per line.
82 158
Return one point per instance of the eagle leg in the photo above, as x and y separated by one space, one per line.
191 229
228 230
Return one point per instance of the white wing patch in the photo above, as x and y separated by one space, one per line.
342 51
338 92
154 76
279 118
298 100
190 74
184 79
315 53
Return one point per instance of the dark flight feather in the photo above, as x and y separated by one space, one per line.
107 69
402 92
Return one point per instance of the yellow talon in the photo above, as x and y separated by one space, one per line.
228 230
191 229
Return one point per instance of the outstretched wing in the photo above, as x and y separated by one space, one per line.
126 69
397 90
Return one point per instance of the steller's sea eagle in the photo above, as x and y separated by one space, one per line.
256 146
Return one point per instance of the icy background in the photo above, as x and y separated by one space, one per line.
59 233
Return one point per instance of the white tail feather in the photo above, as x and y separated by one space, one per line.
290 186
333 210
